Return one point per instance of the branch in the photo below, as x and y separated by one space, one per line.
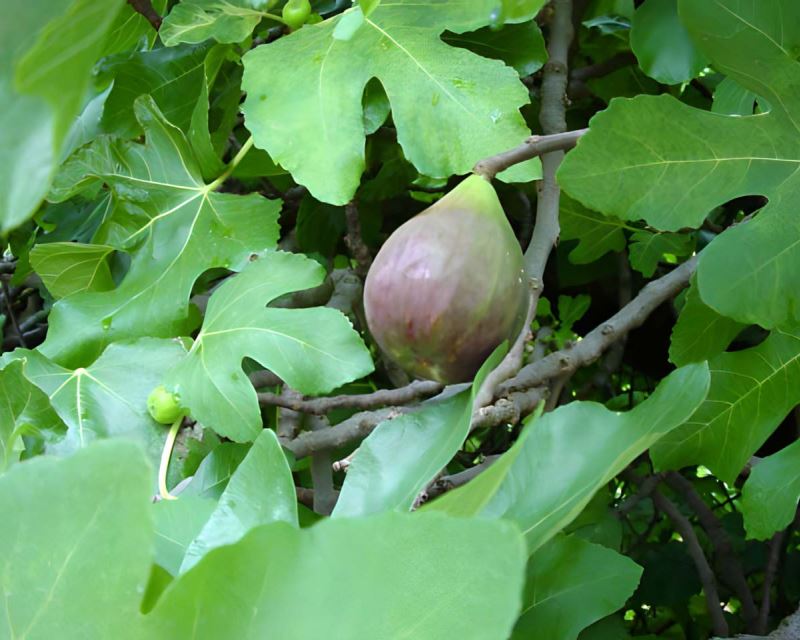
449 482
360 425
545 232
685 529
145 8
775 546
533 147
417 390
646 488
789 629
321 472
730 570
354 241
355 428
599 339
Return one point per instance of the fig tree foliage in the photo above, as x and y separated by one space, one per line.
470 319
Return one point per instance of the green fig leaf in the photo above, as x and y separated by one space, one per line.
662 45
104 400
402 455
68 267
177 523
131 29
24 410
260 491
771 493
81 533
283 572
647 249
657 159
210 380
321 140
520 46
222 20
596 234
570 584
569 453
215 471
47 55
173 226
700 332
751 393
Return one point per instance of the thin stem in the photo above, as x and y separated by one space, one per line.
166 453
231 165
272 16
11 316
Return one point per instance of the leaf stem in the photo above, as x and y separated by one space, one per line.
165 456
231 165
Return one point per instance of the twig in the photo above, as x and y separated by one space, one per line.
508 410
730 570
11 315
600 69
145 8
599 339
354 241
417 390
355 428
449 482
321 472
533 147
646 488
685 529
289 421
775 547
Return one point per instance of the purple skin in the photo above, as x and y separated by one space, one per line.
447 287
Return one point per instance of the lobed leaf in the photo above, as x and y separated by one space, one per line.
289 342
311 121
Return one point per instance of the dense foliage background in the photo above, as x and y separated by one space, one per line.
191 195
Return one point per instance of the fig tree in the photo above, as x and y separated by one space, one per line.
447 287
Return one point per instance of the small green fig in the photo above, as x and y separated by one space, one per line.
163 406
295 13
448 287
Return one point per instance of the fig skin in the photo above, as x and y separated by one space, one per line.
448 286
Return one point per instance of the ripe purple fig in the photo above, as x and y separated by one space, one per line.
448 287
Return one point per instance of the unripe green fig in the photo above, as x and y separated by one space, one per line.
448 287
163 406
296 13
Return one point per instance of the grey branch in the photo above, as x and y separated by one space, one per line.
789 629
532 147
545 231
354 240
599 339
417 390
728 566
684 527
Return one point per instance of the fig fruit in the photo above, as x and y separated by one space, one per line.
448 286
163 406
296 13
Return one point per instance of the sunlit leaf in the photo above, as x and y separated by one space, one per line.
310 121
751 392
289 342
173 225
